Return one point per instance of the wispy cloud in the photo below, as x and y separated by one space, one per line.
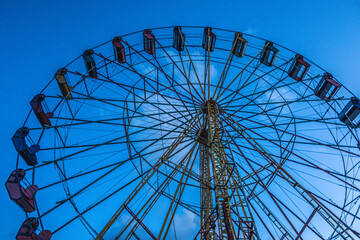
250 31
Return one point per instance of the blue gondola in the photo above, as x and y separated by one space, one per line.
179 39
90 63
268 56
149 41
209 39
350 113
27 153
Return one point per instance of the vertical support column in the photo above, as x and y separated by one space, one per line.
207 217
221 177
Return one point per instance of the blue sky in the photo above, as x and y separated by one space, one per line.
37 37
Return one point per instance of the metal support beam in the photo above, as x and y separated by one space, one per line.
219 163
307 223
140 222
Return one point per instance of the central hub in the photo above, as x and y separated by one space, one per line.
206 105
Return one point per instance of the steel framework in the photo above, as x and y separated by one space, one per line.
190 133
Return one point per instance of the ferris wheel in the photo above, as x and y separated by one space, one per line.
189 133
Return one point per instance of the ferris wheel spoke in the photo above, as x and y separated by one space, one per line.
114 131
332 172
102 121
192 64
263 185
148 170
207 73
260 93
275 222
152 104
225 70
264 125
90 148
113 100
81 190
155 81
262 220
277 87
269 103
242 86
176 92
336 223
82 173
301 120
265 167
187 77
304 143
293 153
154 197
232 81
268 213
258 201
115 166
131 146
191 173
261 168
251 73
251 192
131 89
101 201
329 201
158 192
333 221
306 224
255 150
112 143
182 72
154 169
311 141
170 80
177 195
234 93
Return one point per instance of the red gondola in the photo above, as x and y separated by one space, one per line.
149 41
327 87
22 197
119 50
37 106
239 45
63 82
298 68
28 229
209 39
